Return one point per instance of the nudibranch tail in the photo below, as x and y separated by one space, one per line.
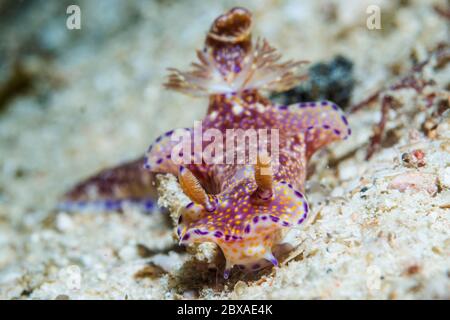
112 189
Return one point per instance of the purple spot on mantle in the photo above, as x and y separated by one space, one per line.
325 126
298 194
312 104
186 237
345 120
168 133
300 221
160 160
218 234
112 204
247 229
274 261
324 103
190 204
81 203
263 218
282 107
255 219
337 132
334 106
285 223
148 205
200 232
305 207
275 219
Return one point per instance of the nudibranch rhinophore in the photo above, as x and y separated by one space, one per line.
243 207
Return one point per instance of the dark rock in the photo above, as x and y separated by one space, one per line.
332 81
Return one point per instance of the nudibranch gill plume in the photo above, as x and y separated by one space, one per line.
244 207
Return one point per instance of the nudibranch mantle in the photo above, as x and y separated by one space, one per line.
234 206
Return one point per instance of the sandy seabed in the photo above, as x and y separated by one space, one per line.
93 99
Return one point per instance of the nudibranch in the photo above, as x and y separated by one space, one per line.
245 208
